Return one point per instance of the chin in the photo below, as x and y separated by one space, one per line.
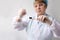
39 13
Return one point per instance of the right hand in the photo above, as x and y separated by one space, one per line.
22 12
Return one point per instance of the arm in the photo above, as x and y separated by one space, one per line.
19 23
55 26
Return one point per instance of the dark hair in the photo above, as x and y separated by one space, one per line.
41 1
44 2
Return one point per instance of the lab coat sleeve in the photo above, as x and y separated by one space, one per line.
55 26
20 25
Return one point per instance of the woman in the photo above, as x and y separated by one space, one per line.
43 27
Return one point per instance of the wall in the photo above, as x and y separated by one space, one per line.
9 9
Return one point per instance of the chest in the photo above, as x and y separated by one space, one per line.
36 27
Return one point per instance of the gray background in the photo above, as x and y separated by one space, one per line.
9 9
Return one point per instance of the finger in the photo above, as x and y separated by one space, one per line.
21 11
44 19
40 18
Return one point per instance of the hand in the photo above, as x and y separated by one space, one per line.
18 19
44 19
22 12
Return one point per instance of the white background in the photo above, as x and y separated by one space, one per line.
9 9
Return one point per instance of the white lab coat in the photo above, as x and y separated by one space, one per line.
38 30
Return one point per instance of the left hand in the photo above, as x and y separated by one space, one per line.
44 19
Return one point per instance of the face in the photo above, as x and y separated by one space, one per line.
40 8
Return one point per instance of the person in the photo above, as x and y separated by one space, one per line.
42 27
